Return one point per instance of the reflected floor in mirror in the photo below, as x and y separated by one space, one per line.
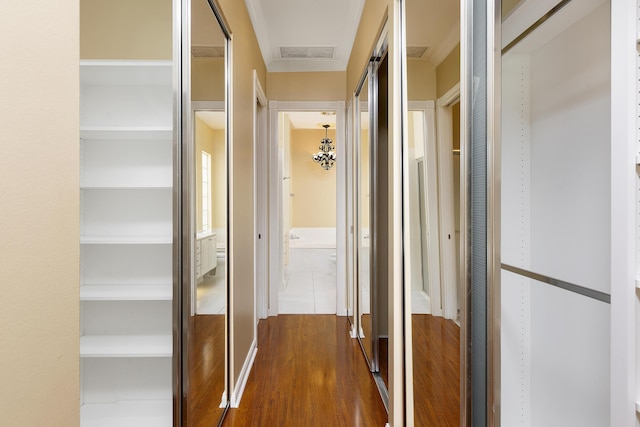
211 294
308 372
206 369
436 371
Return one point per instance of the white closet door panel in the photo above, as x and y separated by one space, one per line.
570 155
127 163
126 318
138 106
125 264
113 380
126 213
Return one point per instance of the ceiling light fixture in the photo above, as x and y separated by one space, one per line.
326 156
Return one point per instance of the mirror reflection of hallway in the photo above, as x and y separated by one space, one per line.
431 208
308 214
205 159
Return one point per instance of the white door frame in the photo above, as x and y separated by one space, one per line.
260 200
275 199
448 265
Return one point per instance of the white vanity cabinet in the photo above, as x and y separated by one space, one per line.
206 254
126 185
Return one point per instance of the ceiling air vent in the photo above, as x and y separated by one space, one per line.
416 51
207 51
326 52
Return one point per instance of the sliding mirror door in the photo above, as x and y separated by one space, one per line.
431 209
363 215
371 200
205 196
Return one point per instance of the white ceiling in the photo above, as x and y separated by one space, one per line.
311 119
305 23
333 24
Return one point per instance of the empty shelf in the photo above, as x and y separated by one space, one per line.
126 293
126 240
151 413
126 132
126 346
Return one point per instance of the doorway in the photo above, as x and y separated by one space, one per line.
307 209
308 212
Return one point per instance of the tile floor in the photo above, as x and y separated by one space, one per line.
210 293
308 292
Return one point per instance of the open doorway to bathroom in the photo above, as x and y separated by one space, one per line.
308 212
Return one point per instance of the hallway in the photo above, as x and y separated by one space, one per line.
308 372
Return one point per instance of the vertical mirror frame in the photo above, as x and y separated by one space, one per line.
184 202
488 397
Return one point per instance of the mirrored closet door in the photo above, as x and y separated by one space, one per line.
204 216
371 183
431 210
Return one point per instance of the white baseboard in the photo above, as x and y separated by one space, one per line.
236 396
223 402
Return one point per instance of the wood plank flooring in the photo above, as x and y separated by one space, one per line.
308 372
206 369
436 371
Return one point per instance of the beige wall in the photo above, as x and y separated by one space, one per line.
39 220
448 72
211 141
125 29
421 81
207 79
310 86
246 58
314 203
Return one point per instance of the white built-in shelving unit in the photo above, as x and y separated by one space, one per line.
556 217
126 185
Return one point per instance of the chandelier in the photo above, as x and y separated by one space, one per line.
326 156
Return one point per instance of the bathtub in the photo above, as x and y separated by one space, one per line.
312 249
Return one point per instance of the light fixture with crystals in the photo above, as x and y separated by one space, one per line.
326 156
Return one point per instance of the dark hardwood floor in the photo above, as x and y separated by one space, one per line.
308 372
436 371
206 369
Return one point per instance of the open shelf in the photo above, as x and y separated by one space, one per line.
126 233
142 413
126 240
134 72
126 293
126 346
125 187
107 133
